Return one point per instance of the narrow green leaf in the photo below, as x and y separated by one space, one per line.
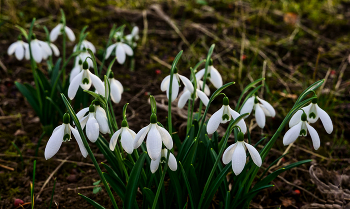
31 99
190 193
252 84
23 31
93 203
149 195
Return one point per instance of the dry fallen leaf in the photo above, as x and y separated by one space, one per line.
20 132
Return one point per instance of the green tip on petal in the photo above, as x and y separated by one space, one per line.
314 101
303 117
66 118
225 101
111 75
92 108
240 137
66 137
153 118
85 65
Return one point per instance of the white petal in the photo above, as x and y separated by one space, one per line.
55 32
101 118
19 52
314 136
92 129
114 140
54 143
36 51
140 136
154 143
241 123
203 97
79 141
183 99
268 106
119 85
172 163
155 164
82 112
215 77
13 47
90 46
254 154
55 49
116 95
98 84
109 50
313 109
187 83
292 134
175 89
296 118
200 74
248 106
74 85
45 47
326 120
26 53
260 116
69 33
238 158
214 121
166 138
75 71
128 49
120 53
135 31
165 83
227 156
83 121
127 141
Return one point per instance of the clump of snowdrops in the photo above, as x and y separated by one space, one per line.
198 167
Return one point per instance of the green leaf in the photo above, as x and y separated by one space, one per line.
93 203
153 104
55 72
115 185
149 195
132 185
96 183
23 31
94 61
248 96
311 88
28 95
190 193
251 85
176 186
95 190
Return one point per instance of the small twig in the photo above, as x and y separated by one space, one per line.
6 167
145 28
161 62
85 187
3 66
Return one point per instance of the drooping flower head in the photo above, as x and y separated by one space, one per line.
62 133
56 31
186 95
313 113
261 107
155 136
300 128
172 163
116 88
133 37
85 44
18 48
121 49
165 85
85 79
237 154
78 67
223 115
213 75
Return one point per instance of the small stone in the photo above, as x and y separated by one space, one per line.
72 178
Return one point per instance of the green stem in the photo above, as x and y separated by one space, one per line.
121 163
64 54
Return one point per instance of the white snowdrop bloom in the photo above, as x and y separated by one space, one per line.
121 50
37 51
237 154
223 115
313 112
58 31
186 95
127 138
213 75
206 87
78 67
19 47
85 44
135 33
155 136
48 49
62 133
84 57
116 88
172 163
119 36
95 121
85 79
262 109
300 129
165 85
133 37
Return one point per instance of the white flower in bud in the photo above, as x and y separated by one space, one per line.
237 154
58 31
172 163
223 115
262 109
164 86
85 44
63 133
19 48
213 75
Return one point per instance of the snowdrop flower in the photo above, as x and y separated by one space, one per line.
48 49
223 115
206 87
76 70
133 37
95 121
18 48
164 86
84 56
116 88
121 50
186 95
85 44
62 133
213 75
313 112
261 110
237 154
84 79
300 129
172 163
37 51
155 136
127 138
58 31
